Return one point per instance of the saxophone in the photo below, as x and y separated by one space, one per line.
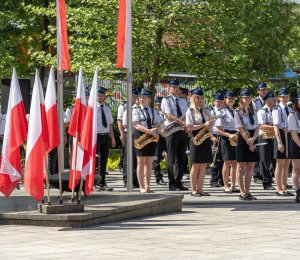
173 127
145 139
268 134
202 135
234 142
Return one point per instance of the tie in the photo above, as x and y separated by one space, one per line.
251 117
179 114
104 122
203 119
287 111
148 118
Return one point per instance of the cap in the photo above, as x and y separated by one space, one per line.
297 96
262 85
135 91
245 92
45 90
174 83
197 92
158 100
284 91
269 95
184 90
87 94
218 97
221 91
74 93
230 94
146 92
102 90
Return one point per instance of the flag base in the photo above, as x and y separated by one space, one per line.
56 208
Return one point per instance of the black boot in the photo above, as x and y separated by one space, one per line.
297 199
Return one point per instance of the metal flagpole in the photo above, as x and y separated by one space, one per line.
129 131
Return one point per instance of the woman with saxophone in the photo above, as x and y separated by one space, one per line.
144 118
198 117
246 152
294 127
226 128
282 141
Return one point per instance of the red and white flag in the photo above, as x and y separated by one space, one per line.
37 136
15 134
89 136
62 37
51 112
124 37
76 125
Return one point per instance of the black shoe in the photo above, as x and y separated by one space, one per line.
258 181
174 188
205 194
196 194
160 182
125 185
215 185
289 186
281 194
106 173
251 197
181 187
270 187
17 187
297 199
236 191
244 197
289 193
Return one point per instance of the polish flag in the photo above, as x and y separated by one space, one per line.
51 112
15 134
76 125
124 36
62 37
89 136
37 136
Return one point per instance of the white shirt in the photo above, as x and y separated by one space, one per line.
216 111
168 106
161 118
121 110
139 115
264 117
280 117
109 119
258 103
192 119
227 122
68 113
124 120
246 119
294 122
2 122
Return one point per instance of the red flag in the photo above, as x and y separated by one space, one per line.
89 136
62 37
124 37
15 135
37 136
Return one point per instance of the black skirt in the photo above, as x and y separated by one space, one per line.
278 154
243 154
147 150
295 149
200 153
228 151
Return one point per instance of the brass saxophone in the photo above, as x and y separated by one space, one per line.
173 127
234 142
145 139
202 135
268 134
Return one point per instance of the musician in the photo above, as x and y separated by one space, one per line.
266 152
258 103
160 147
246 153
226 128
294 128
175 106
144 119
198 117
104 135
87 96
281 144
122 123
216 172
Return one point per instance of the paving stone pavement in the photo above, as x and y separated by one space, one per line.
211 230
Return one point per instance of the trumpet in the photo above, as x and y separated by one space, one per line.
234 142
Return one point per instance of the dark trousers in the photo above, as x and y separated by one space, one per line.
120 165
52 159
267 158
160 147
70 148
176 146
103 143
216 172
135 180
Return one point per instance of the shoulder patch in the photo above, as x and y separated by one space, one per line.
192 109
107 104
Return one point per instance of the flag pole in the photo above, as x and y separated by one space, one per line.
59 175
80 190
47 176
75 162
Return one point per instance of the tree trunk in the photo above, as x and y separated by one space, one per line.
45 45
156 63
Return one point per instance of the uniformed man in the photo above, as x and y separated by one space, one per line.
258 103
104 135
265 121
122 110
161 146
175 107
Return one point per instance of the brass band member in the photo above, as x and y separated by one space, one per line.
266 129
294 127
144 118
226 128
246 121
281 143
198 117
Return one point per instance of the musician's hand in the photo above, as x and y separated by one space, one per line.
113 142
285 130
214 139
156 136
153 131
250 141
252 147
122 139
280 147
233 137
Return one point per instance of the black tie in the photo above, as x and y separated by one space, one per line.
231 112
179 114
203 119
148 118
104 122
251 117
287 111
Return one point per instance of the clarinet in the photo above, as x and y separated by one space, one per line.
286 139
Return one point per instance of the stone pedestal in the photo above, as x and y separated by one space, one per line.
57 208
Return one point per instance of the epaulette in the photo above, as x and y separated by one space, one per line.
192 109
293 112
135 107
167 97
238 109
124 102
207 107
107 104
255 99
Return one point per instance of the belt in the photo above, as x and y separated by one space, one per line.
102 133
